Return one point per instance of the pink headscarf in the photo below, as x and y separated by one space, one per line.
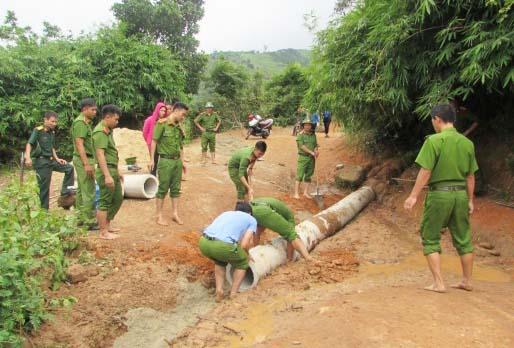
150 123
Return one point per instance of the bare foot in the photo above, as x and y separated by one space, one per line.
177 219
307 195
108 236
186 159
219 296
114 229
462 286
162 222
184 179
435 288
214 162
233 295
296 197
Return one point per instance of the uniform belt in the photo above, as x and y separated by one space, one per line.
448 188
176 157
45 157
216 239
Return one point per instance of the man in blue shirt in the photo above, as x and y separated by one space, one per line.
327 118
227 240
315 120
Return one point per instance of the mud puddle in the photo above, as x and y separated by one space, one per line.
149 328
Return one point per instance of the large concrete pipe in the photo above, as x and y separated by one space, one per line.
140 186
322 225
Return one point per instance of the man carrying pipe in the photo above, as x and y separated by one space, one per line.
227 240
307 154
274 214
240 169
108 175
167 140
448 166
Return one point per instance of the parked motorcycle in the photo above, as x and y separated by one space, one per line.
259 127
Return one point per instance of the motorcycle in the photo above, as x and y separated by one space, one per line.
259 127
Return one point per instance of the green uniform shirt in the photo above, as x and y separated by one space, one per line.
103 139
241 159
208 122
81 129
42 142
168 138
309 140
449 155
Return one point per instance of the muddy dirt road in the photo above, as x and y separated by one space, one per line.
151 287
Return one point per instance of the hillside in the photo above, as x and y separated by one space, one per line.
269 63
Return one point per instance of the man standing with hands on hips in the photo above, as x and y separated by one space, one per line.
448 166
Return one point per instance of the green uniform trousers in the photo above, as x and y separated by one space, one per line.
305 168
280 221
446 209
208 140
240 188
44 168
86 191
224 253
109 201
170 177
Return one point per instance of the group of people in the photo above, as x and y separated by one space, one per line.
447 161
315 118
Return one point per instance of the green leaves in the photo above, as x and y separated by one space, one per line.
56 75
33 244
383 65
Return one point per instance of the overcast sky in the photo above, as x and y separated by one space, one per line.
233 25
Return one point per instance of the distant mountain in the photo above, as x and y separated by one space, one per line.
269 63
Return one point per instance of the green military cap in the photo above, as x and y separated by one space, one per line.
209 105
306 120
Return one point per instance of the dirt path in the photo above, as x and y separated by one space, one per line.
149 286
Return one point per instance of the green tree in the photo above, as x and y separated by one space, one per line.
382 66
172 23
285 92
39 75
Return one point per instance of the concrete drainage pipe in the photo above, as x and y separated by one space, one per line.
140 186
322 225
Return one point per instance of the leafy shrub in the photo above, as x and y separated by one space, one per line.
33 244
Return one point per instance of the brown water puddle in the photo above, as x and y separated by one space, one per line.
449 264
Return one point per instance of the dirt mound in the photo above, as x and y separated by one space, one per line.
186 253
130 143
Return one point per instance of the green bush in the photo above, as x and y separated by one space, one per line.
383 64
33 245
38 75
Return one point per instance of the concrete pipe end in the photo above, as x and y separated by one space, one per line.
150 187
249 281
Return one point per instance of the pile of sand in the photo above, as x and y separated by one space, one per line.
130 143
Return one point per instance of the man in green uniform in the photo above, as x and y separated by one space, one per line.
274 214
167 139
40 152
208 122
108 176
240 169
84 161
447 161
307 154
